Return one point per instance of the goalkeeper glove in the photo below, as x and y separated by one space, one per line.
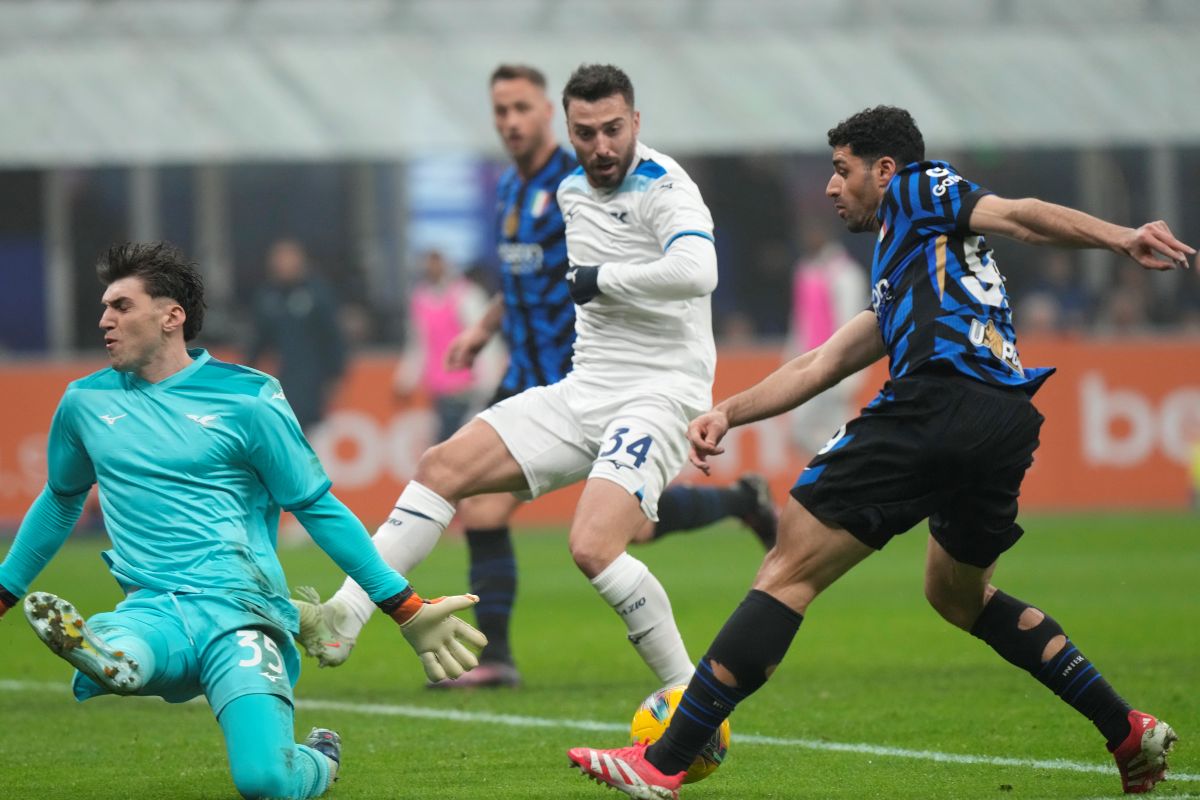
583 283
7 600
437 635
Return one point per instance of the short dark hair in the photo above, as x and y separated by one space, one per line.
880 131
592 82
165 272
513 72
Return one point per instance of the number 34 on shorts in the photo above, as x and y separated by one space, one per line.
626 447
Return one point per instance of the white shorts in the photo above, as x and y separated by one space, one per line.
563 433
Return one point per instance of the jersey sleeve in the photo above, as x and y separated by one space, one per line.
69 467
279 453
937 199
674 209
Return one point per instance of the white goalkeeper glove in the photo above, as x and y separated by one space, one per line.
437 635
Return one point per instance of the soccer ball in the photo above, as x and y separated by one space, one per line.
654 716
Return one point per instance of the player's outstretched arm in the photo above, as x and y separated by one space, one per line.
45 527
1038 222
852 347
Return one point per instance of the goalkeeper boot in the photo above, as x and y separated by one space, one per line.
64 631
1142 757
321 626
626 769
328 744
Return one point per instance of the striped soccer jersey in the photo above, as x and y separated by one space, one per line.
936 291
539 317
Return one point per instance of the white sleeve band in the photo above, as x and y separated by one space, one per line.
687 270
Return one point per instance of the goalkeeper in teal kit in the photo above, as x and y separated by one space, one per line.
195 458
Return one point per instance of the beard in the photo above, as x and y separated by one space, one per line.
610 179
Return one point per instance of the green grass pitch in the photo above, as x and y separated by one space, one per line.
872 667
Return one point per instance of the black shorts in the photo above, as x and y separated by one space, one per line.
948 448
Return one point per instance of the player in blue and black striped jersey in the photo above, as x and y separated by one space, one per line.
949 439
536 315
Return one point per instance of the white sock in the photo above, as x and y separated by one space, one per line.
404 539
640 600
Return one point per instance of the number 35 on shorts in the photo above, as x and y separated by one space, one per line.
260 652
626 447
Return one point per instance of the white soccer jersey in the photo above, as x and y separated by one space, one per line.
651 325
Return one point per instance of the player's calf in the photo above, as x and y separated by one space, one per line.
1044 651
64 631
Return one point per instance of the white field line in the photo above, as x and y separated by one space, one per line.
516 721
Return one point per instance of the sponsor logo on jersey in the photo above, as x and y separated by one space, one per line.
110 419
948 179
511 222
520 258
986 335
620 216
881 294
205 421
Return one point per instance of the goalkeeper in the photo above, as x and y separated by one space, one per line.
195 458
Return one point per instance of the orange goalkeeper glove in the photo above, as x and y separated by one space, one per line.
437 635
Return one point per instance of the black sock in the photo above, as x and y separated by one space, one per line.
1074 678
494 578
1068 673
682 508
750 646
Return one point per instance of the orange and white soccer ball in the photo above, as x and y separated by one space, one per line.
654 716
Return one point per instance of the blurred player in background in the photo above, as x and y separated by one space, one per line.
948 438
443 305
296 320
536 316
195 458
828 289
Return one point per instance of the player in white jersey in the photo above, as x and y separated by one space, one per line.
649 321
643 265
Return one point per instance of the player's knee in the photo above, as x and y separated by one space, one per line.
438 472
958 607
485 512
257 780
788 574
592 554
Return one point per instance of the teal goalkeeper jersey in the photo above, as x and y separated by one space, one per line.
193 471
